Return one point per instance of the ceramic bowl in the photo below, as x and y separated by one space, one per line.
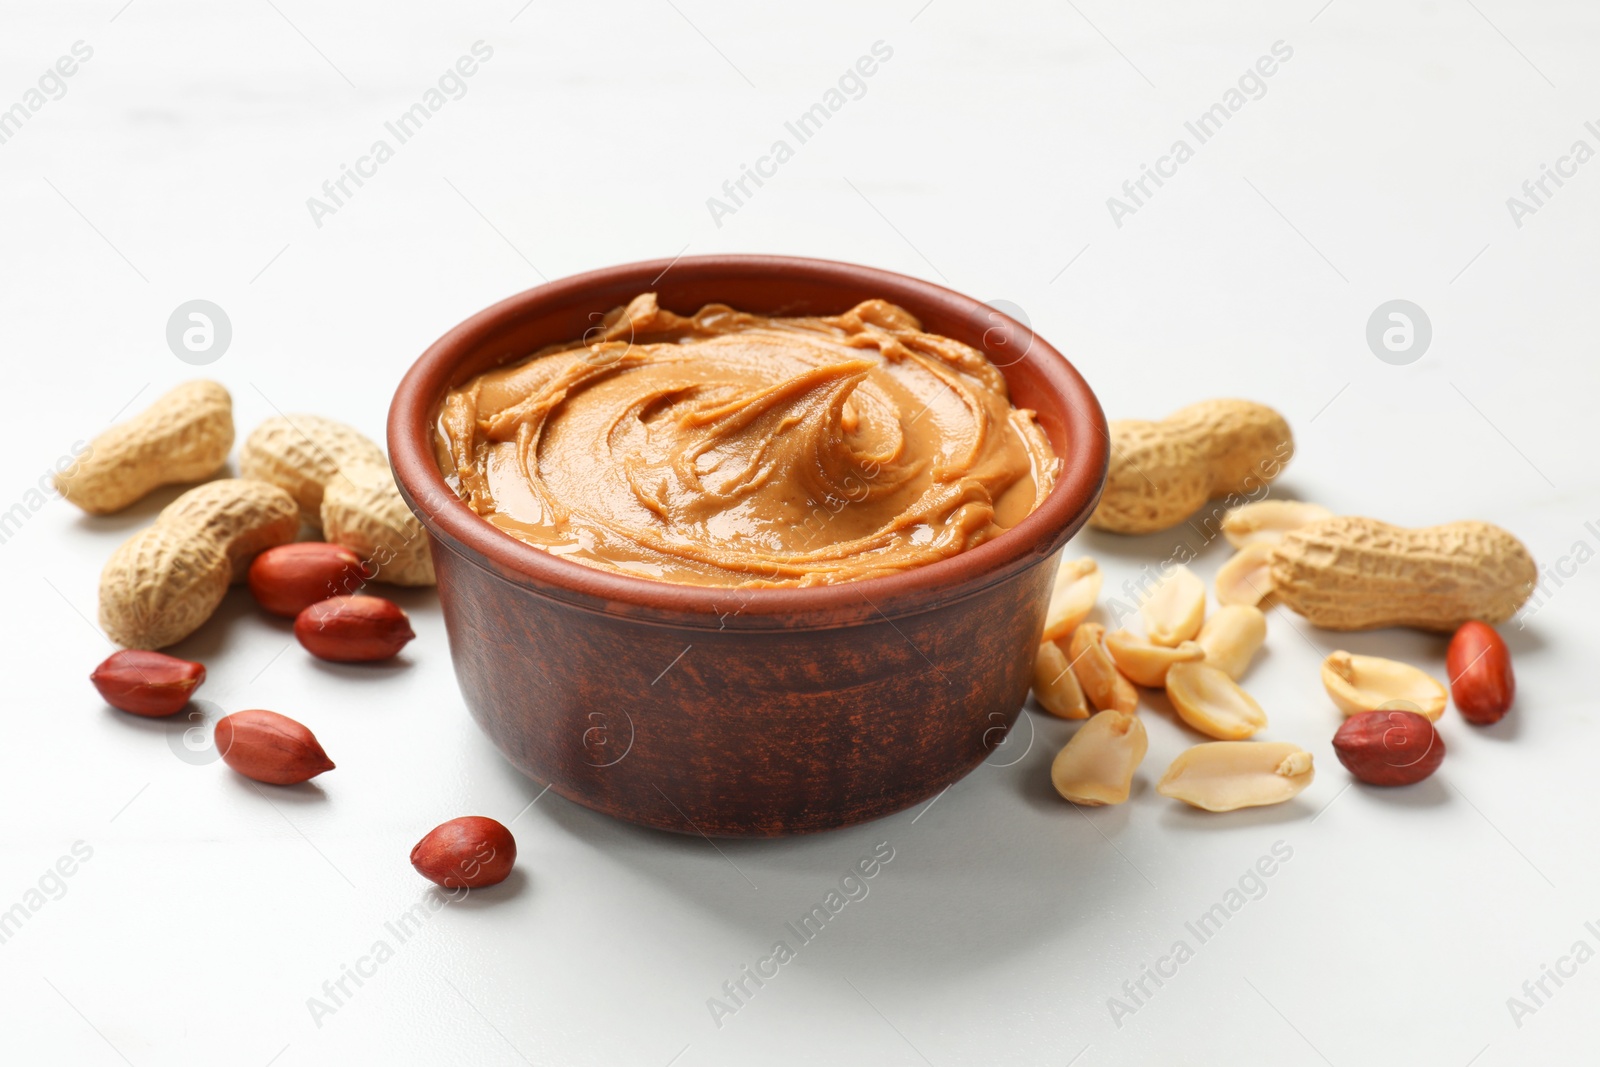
744 712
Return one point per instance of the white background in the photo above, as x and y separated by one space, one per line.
1377 166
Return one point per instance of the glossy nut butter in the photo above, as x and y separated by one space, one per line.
733 449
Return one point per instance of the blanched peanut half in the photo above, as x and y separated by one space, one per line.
1145 664
1055 687
1231 637
1175 609
1367 683
1096 767
1211 702
1097 673
1266 521
1247 577
1076 589
1224 775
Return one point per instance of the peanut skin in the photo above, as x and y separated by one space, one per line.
270 748
147 683
353 629
1389 747
470 852
1481 679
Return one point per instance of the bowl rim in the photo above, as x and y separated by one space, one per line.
455 526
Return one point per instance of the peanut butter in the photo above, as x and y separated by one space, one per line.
733 449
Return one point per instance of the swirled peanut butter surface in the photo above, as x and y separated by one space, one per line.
730 449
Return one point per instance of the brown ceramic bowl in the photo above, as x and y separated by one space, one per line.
739 712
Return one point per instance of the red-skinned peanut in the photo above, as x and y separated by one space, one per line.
290 578
1389 747
470 852
1479 665
152 684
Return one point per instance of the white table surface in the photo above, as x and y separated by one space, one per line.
1377 166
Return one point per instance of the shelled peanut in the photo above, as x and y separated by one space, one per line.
1368 683
472 852
1096 766
1175 609
1097 673
1213 703
1389 748
1481 679
1055 686
147 683
1246 579
1145 663
1227 775
1265 522
1094 678
353 629
269 747
1231 637
290 578
1077 586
